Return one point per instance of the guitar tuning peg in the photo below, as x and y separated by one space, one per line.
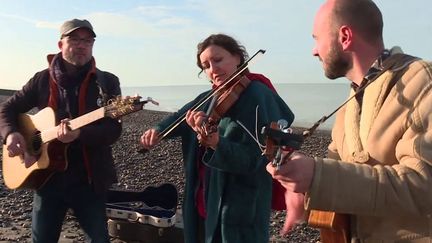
151 100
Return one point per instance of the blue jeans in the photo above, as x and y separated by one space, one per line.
51 202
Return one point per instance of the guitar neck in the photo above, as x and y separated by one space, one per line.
87 118
51 134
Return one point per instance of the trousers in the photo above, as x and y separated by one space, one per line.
56 197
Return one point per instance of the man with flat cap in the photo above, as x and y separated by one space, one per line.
72 86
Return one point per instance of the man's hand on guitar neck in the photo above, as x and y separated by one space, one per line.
64 132
295 173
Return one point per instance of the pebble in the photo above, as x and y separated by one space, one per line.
136 171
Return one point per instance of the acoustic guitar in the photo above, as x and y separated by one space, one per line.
46 155
334 227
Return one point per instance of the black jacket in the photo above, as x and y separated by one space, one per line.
96 137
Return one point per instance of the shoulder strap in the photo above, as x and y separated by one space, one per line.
396 63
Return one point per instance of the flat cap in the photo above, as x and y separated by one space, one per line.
74 24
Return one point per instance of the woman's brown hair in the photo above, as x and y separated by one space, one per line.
226 42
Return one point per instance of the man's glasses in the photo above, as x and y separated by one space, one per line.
75 41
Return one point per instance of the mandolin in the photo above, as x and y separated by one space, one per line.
334 227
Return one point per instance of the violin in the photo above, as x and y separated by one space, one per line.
222 102
222 98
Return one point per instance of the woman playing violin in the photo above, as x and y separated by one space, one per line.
228 191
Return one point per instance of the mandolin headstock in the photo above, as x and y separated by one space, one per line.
280 138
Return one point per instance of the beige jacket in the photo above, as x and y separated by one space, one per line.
384 175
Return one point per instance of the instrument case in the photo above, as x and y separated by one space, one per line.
148 216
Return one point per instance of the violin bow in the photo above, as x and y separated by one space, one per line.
203 100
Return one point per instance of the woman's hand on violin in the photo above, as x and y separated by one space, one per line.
211 140
150 138
206 136
196 120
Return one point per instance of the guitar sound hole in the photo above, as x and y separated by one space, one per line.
36 143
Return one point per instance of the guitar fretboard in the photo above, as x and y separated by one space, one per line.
51 134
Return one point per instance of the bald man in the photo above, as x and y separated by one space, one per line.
379 166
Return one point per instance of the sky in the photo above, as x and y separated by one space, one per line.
153 42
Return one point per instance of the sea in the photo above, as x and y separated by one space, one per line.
309 101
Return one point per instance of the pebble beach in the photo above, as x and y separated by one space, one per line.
136 171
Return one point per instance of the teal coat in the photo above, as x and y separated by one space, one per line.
238 186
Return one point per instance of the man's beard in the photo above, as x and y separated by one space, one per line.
337 65
75 59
